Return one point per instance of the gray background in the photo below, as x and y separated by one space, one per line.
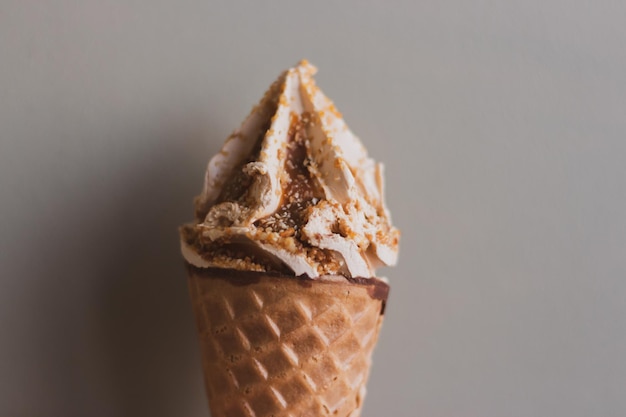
502 126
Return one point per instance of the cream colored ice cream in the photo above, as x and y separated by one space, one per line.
293 190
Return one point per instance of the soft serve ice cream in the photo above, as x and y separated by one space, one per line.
290 227
293 191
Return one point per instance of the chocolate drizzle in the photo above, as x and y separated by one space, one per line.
301 188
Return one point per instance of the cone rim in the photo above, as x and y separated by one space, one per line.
376 287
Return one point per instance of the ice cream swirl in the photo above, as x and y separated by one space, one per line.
293 190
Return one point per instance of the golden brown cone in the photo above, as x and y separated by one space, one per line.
284 346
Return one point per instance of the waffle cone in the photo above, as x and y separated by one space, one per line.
283 346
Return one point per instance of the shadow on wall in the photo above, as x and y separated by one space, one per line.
113 320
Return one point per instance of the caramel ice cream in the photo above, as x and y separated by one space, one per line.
293 190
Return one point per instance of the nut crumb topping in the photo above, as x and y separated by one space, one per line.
293 190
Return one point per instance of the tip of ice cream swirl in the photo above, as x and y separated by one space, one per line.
293 190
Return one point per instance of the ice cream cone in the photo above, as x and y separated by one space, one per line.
276 345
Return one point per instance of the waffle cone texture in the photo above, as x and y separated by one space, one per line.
280 346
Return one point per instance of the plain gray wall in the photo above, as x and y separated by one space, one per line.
503 129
